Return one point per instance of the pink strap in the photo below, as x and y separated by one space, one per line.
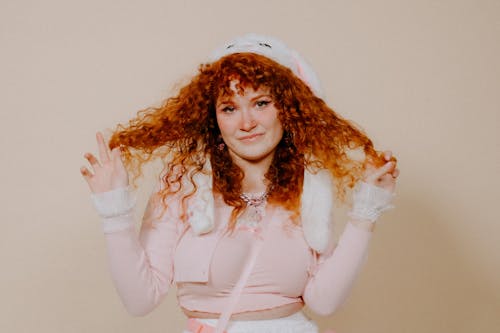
195 326
236 292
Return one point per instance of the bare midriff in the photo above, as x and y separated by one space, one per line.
273 313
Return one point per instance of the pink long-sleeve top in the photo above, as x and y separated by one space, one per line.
206 267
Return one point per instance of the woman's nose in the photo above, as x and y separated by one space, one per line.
248 121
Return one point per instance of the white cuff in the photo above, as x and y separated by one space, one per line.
116 202
115 207
369 201
117 223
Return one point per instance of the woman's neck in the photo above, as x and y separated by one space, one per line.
254 181
255 171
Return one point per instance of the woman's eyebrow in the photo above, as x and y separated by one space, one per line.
223 101
260 96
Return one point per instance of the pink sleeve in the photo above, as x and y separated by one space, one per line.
334 276
142 265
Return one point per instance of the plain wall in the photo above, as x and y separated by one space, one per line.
421 77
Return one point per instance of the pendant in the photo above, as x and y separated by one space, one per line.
255 210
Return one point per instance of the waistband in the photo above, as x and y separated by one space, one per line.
296 323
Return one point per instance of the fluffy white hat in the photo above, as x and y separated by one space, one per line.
275 49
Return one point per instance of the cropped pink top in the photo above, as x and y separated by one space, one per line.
205 268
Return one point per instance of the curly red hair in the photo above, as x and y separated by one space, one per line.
183 132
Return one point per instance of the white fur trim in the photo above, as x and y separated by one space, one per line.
316 207
369 201
117 202
275 49
201 205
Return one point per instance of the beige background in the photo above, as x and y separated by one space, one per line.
422 77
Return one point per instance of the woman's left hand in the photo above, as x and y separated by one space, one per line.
384 176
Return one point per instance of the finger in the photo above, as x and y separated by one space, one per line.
116 152
103 149
386 179
395 173
92 160
86 173
387 155
387 182
386 168
116 155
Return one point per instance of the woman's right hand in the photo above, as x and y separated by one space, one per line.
108 174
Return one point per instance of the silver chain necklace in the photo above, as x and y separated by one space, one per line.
255 209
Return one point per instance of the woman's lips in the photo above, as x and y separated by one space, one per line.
252 137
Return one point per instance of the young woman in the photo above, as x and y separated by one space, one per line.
241 218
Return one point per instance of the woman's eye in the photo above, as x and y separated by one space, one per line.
262 103
228 109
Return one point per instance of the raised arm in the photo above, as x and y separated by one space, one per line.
140 264
335 273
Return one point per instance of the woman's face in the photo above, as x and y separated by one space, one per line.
249 124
